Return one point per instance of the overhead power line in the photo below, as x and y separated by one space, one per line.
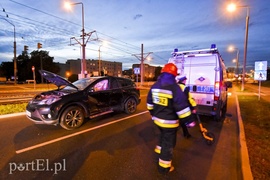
117 47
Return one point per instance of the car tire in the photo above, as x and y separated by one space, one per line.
224 109
72 118
218 116
221 113
130 106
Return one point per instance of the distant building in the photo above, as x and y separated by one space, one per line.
128 73
107 68
92 67
64 69
149 71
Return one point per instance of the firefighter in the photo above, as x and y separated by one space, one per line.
167 105
192 104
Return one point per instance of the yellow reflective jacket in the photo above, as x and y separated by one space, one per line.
167 103
191 100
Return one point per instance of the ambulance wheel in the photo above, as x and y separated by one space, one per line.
218 116
224 109
211 135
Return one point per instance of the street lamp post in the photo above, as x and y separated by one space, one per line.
237 65
105 44
232 7
83 62
14 51
245 49
237 58
237 61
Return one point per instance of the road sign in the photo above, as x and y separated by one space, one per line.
260 70
260 75
136 70
261 65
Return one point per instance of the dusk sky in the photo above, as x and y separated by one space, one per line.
159 25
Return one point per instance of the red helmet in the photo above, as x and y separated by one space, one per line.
170 68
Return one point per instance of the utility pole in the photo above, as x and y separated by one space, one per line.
15 58
141 58
83 45
39 46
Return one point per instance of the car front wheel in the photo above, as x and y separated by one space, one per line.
72 118
130 106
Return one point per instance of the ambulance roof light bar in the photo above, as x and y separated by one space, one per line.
212 50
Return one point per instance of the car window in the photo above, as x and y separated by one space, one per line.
125 82
101 85
114 84
81 83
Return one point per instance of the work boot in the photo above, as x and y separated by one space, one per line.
171 169
165 171
187 135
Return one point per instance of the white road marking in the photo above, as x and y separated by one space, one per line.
75 134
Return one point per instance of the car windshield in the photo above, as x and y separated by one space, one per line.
81 84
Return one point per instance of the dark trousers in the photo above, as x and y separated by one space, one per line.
183 123
185 129
167 142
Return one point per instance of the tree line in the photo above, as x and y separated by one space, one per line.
25 62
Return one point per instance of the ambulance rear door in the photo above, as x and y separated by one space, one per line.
202 72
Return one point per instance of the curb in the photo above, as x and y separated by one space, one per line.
11 115
245 165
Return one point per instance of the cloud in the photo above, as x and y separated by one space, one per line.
161 26
137 16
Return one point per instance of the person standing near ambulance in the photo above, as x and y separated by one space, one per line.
167 105
192 104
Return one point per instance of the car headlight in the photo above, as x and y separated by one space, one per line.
48 101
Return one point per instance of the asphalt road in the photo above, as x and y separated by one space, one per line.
116 146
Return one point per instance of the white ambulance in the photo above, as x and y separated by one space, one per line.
206 78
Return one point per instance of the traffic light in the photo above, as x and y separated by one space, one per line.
39 45
25 48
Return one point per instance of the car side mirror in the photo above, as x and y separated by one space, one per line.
92 89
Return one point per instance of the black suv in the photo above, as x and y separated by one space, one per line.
71 103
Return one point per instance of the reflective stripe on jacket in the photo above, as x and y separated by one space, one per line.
191 100
166 102
166 123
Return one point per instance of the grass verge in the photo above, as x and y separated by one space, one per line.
255 115
12 108
265 83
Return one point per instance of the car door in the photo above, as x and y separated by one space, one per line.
116 92
99 95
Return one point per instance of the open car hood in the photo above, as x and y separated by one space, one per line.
55 79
